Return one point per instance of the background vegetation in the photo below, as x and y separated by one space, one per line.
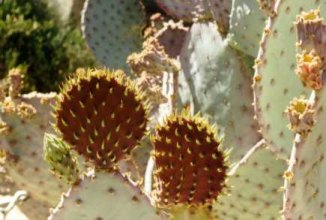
33 37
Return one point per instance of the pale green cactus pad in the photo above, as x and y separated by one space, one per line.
25 143
113 30
276 81
254 188
305 186
216 77
106 196
247 22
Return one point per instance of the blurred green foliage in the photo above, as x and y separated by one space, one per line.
31 36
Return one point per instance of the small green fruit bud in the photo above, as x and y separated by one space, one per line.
58 155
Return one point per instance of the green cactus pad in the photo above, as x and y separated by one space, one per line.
106 196
101 115
24 142
305 186
113 30
254 191
214 77
246 26
190 166
276 82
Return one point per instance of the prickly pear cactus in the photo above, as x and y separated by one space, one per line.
202 63
304 196
24 142
34 209
304 192
100 114
113 30
214 77
190 166
275 81
246 26
254 190
188 161
104 196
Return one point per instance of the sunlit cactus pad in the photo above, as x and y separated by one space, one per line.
105 196
101 115
254 189
190 165
24 143
277 82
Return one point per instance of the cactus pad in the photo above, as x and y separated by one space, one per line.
305 191
113 29
276 82
35 209
254 191
247 22
24 142
106 196
190 167
215 77
101 115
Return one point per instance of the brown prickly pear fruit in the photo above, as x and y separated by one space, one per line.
100 114
190 166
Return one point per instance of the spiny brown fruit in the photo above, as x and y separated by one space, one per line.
190 167
101 115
